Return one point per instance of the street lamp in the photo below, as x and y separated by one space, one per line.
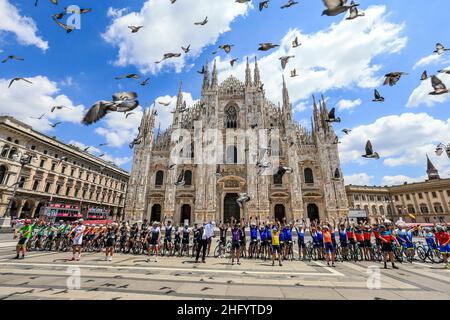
23 160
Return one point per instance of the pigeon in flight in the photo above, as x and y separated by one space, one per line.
263 4
39 118
52 1
169 56
18 79
121 102
444 71
281 171
346 131
145 82
226 47
289 4
393 77
377 96
203 71
295 43
267 46
12 57
135 29
80 11
440 49
243 1
58 108
440 149
243 198
202 23
332 116
369 152
86 149
284 61
294 73
103 144
55 124
187 49
438 86
424 76
165 104
180 180
336 7
128 114
233 61
128 76
68 29
354 12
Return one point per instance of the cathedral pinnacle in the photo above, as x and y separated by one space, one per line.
214 82
257 75
248 75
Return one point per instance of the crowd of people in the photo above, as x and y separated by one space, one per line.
331 240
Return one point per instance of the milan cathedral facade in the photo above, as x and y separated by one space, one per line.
233 110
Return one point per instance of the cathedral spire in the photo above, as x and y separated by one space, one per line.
206 77
433 173
248 75
257 75
214 82
286 100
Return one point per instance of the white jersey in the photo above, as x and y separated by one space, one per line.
78 238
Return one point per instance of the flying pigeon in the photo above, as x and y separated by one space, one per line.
145 82
377 96
86 149
243 198
80 11
12 57
121 102
284 60
187 49
243 1
169 56
354 13
128 76
438 86
332 116
226 47
202 23
263 4
336 7
135 29
68 29
180 181
440 149
440 49
424 76
103 144
444 71
369 152
393 77
203 71
281 171
58 108
38 118
233 61
295 43
165 104
346 131
18 79
128 114
289 4
55 124
294 73
267 46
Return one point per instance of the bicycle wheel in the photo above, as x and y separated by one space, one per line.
436 256
398 255
421 253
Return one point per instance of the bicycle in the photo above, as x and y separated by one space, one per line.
425 252
222 249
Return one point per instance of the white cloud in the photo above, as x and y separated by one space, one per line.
400 140
23 27
401 179
168 27
421 95
165 116
348 104
24 100
432 59
358 179
119 161
338 57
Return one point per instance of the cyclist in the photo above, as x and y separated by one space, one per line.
315 239
288 241
276 249
351 235
429 238
235 242
301 240
387 240
152 238
367 234
328 243
359 236
177 243
282 239
253 239
404 237
195 239
25 232
77 232
243 239
443 238
168 237
185 240
134 232
263 238
343 240
269 239
124 234
320 240
111 236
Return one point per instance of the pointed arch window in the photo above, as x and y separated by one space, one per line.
231 117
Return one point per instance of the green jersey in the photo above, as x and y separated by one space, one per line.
41 230
26 232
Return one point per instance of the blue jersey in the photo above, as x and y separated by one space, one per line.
333 235
314 237
269 233
402 236
319 236
343 235
263 233
429 237
289 234
282 235
253 232
301 235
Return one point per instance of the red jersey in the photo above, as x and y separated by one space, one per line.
376 233
442 237
368 234
359 235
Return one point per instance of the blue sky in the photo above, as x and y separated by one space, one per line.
344 60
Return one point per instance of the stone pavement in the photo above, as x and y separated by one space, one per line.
46 275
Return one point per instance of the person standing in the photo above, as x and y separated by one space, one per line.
443 238
202 243
235 242
276 249
387 239
111 237
209 233
25 232
328 244
78 233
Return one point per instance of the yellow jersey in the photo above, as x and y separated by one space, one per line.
275 237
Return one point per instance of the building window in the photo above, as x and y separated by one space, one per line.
441 219
379 198
231 118
309 176
438 208
389 210
372 198
363 197
424 208
232 155
411 209
3 173
434 194
33 147
58 189
381 210
396 198
188 178
45 151
374 210
12 153
427 220
159 179
47 187
72 172
53 166
5 151
68 189
35 185
84 194
41 164
420 195
408 197
399 210
63 170
277 179
448 193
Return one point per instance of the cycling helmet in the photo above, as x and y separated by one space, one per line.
27 222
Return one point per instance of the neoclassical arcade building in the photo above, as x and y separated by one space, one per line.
314 189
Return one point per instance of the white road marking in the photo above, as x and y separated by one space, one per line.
333 273
332 270
8 244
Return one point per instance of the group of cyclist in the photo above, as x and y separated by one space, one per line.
268 240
